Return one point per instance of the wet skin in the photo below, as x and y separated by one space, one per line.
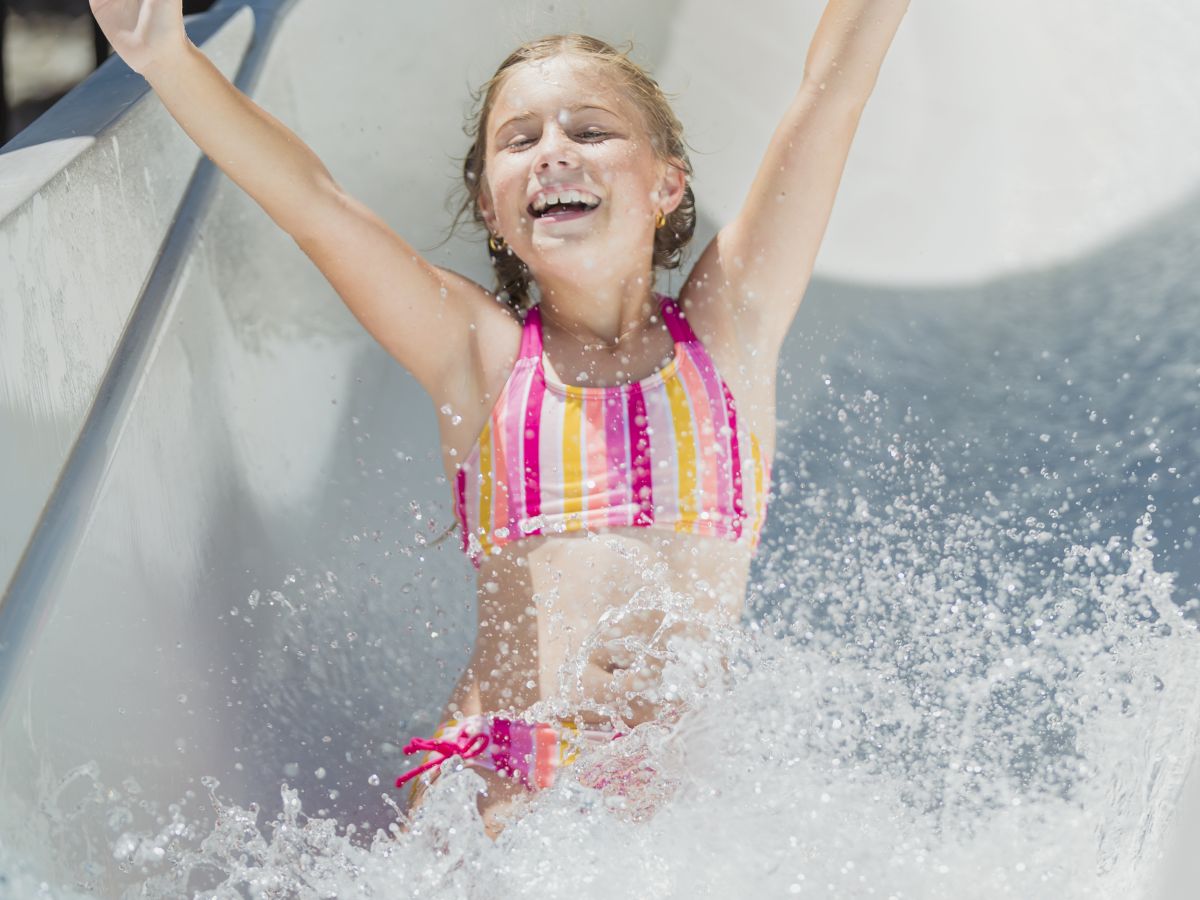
543 596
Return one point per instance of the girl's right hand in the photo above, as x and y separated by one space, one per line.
141 31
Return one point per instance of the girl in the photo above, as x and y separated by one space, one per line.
600 429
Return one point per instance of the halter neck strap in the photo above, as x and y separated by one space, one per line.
531 334
677 323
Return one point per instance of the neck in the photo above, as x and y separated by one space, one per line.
600 313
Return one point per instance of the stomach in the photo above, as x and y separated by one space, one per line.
578 624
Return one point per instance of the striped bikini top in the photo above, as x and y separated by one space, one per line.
665 452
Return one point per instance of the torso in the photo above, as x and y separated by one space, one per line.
539 597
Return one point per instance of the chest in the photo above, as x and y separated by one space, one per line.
668 451
697 384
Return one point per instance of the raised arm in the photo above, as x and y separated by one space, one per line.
778 231
398 296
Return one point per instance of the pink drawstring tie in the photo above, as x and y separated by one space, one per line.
466 747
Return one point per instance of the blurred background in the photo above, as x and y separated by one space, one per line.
46 48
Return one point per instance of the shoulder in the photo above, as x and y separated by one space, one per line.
718 314
712 314
485 358
491 324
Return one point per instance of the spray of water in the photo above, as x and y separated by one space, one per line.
911 724
935 693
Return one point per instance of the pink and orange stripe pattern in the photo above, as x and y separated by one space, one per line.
666 452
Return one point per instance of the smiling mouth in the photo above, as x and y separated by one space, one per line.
562 211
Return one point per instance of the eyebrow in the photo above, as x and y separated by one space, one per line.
529 114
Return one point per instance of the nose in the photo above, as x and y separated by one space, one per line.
555 149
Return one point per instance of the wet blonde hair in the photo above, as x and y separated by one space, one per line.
666 137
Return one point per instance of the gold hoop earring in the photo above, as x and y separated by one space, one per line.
496 247
660 220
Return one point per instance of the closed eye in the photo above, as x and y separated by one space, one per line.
521 142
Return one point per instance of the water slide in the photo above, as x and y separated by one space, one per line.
221 502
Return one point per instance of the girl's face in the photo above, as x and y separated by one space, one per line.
557 125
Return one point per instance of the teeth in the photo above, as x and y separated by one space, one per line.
544 200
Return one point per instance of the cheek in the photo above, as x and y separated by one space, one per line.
507 191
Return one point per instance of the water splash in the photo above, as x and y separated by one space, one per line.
974 728
961 674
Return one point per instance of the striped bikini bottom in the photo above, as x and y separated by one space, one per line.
530 751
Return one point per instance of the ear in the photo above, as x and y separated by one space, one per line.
486 208
671 186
